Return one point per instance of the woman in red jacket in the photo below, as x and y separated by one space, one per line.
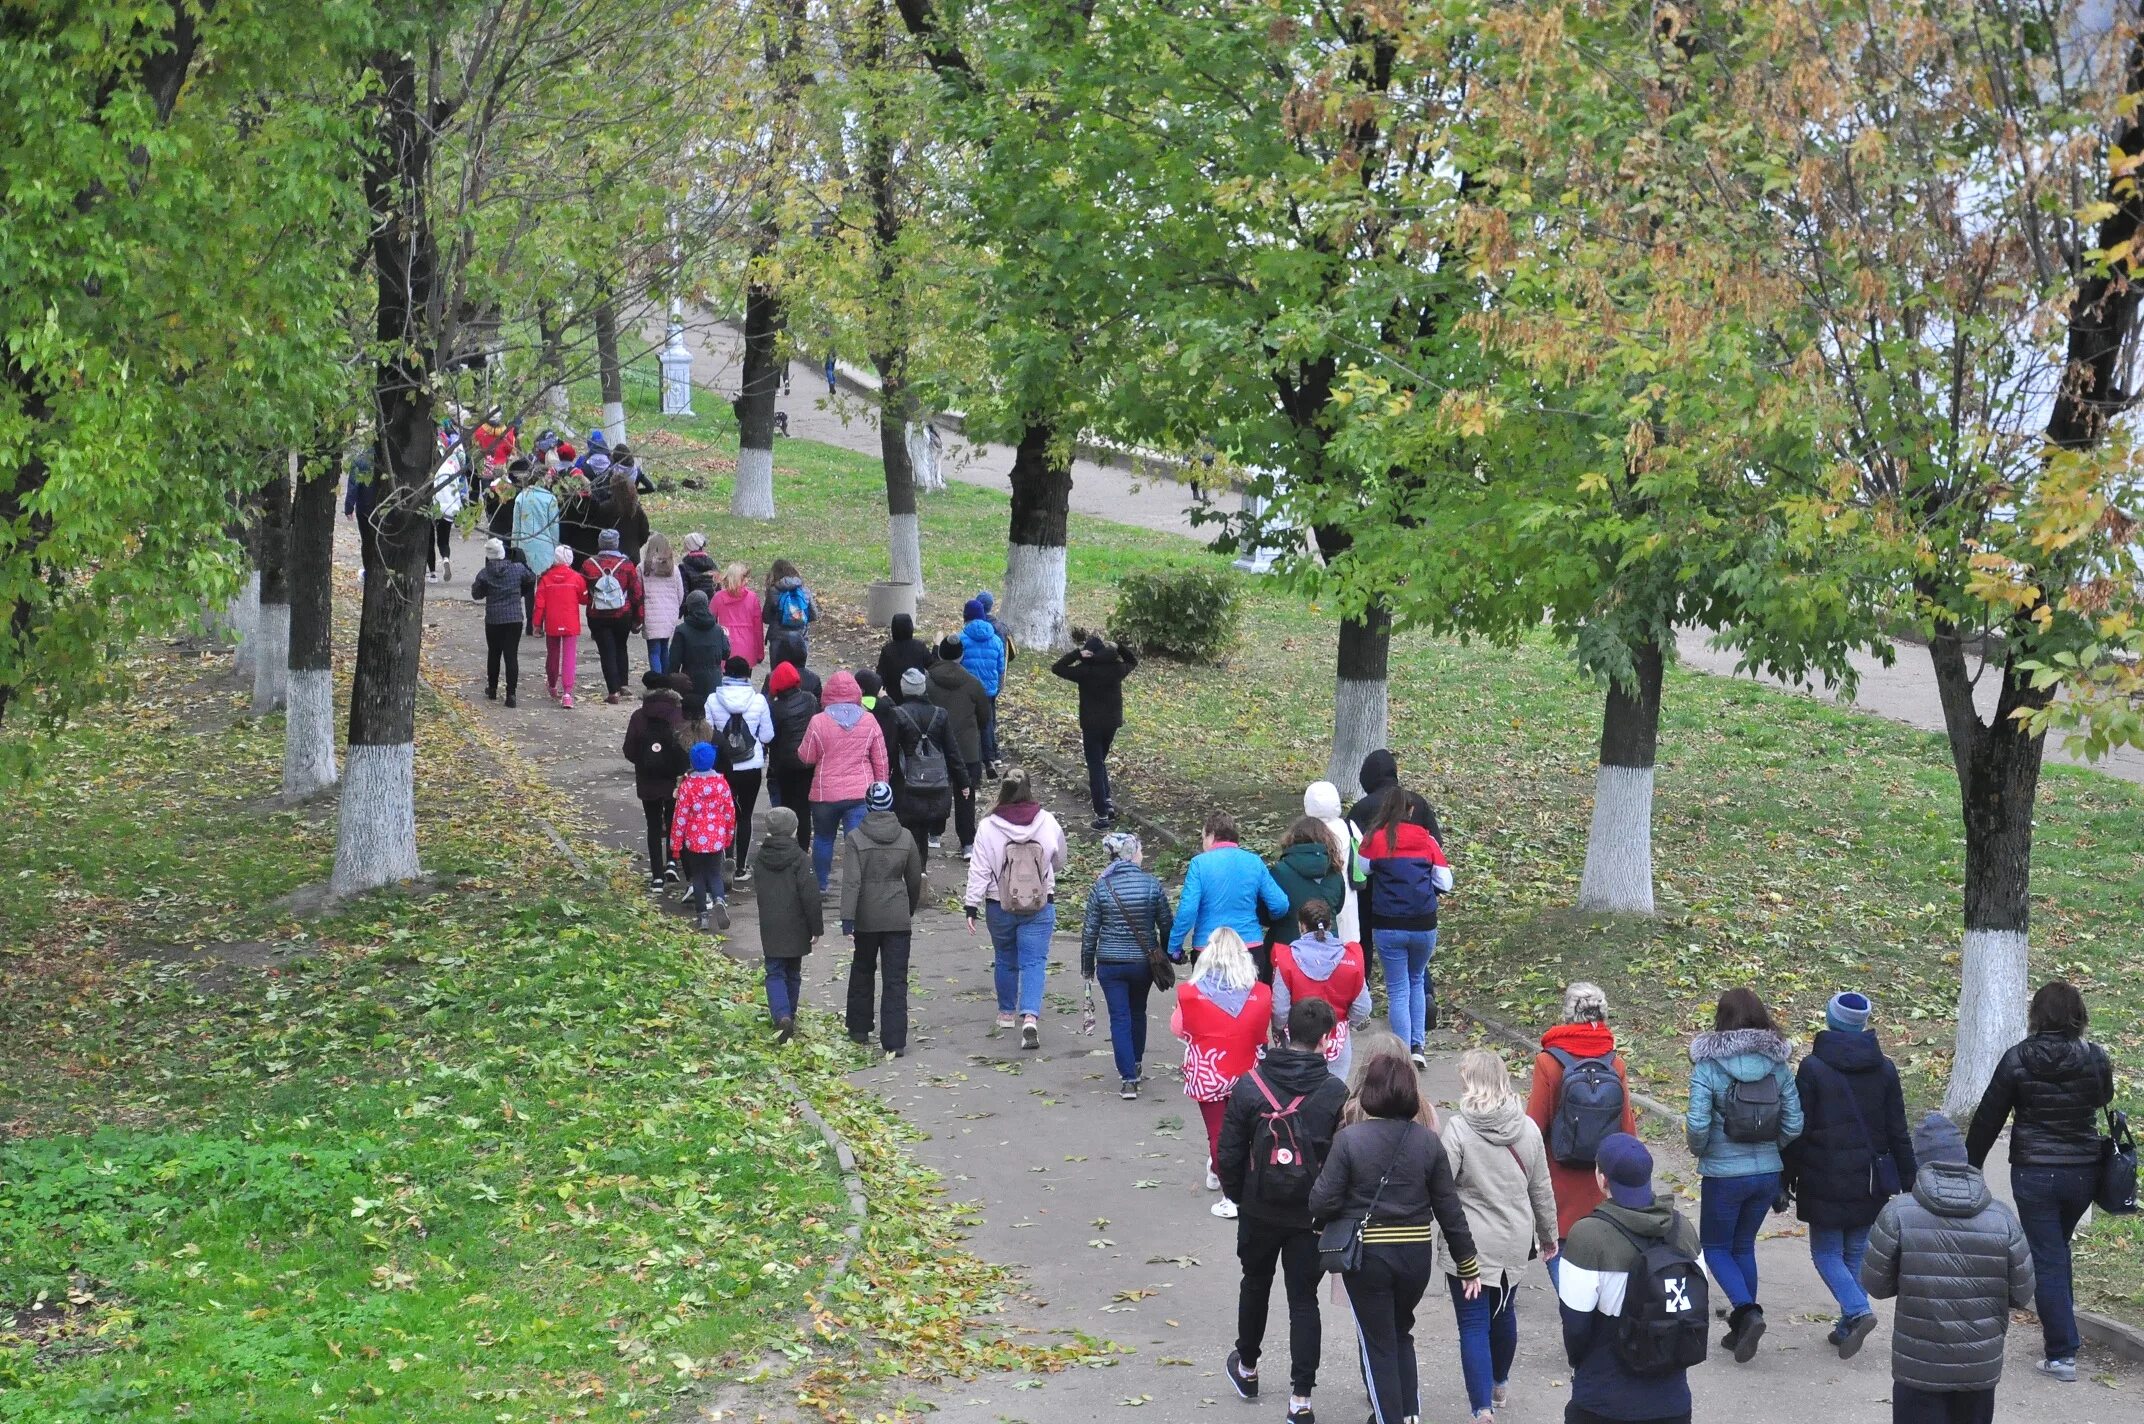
1223 1015
561 594
1584 1034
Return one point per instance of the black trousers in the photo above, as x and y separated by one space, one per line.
744 790
1383 1295
658 814
502 648
1576 1414
1260 1246
443 539
1927 1406
964 805
613 636
1094 745
880 952
795 787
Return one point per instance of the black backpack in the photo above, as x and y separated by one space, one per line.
736 744
1666 1307
1589 1107
1749 1112
1284 1162
923 769
666 754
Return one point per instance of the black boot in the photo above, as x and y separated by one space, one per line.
1745 1327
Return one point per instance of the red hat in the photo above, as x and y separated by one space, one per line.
782 678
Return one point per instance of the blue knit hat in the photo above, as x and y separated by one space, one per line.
1628 1166
972 610
988 599
1848 1012
703 756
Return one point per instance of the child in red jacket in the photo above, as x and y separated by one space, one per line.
701 830
561 594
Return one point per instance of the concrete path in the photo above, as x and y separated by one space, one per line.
1097 1203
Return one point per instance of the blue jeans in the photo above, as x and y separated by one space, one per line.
1125 987
2050 1202
1730 1209
1405 955
658 654
829 820
1488 1338
1022 943
1837 1252
785 987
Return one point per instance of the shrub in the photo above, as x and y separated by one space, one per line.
1195 614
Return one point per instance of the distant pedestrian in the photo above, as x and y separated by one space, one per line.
655 745
1319 965
502 585
744 728
1098 668
1958 1262
662 599
737 608
1407 878
1580 1094
928 771
967 708
700 832
900 653
982 652
1127 915
846 752
1321 801
1012 884
561 594
614 610
789 607
789 916
697 568
2054 1084
1224 885
881 886
792 709
1224 1016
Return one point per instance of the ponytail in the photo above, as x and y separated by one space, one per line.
1317 917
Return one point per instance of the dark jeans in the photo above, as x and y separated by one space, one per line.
830 820
440 545
1124 988
964 805
703 869
1260 1245
990 732
795 793
785 988
2050 1202
613 636
1730 1209
1383 1295
744 790
1488 1338
502 648
658 654
1094 745
880 951
658 815
1927 1406
1579 1414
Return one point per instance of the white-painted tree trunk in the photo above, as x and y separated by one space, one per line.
1618 878
754 495
923 457
244 614
614 423
1034 603
376 838
271 657
1991 1012
904 550
309 734
1361 709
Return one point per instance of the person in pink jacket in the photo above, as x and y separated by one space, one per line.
1015 842
662 595
737 609
847 752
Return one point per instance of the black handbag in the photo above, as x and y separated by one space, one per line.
2117 1194
1157 962
1884 1182
1340 1240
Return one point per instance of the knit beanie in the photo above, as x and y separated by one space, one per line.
879 797
562 556
1937 1139
607 540
949 648
703 756
694 543
1848 1012
988 599
494 548
781 680
913 683
972 610
781 821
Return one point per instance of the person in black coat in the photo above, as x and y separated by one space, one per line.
906 725
902 651
1853 1118
659 720
1098 668
1380 776
790 648
2053 1084
792 709
698 649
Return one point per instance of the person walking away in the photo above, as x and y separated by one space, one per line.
1307 868
789 917
1276 1131
1224 886
447 487
1407 876
744 727
989 602
1580 1094
1389 1172
561 594
846 752
535 533
1321 802
623 512
792 709
1854 1154
625 467
881 886
1127 915
927 770
502 585
967 707
789 606
613 610
1632 1298
1380 778
1318 965
982 652
1224 1016
2053 1083
737 609
1098 669
655 744
1500 1167
697 568
700 832
662 600
577 524
1743 1107
1012 885
790 649
498 517
698 648
900 653
1958 1262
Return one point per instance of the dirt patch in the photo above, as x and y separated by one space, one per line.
57 1330
311 901
222 967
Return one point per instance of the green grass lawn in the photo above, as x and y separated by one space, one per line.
1799 848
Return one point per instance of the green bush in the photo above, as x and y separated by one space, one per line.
1194 614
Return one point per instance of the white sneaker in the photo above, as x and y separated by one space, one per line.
1225 1209
1213 1182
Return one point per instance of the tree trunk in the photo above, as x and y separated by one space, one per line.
1034 602
754 494
552 399
904 540
1618 878
609 374
1360 703
271 653
923 462
309 726
244 617
376 839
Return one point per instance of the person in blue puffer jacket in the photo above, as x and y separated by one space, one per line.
1225 885
982 652
1744 1107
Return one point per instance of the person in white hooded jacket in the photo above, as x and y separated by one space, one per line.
1322 800
735 697
1021 941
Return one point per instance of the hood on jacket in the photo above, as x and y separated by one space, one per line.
1022 819
841 687
1746 1053
735 696
787 582
2053 1057
881 828
1581 1040
978 633
787 648
1951 1189
1322 800
1847 1052
697 612
904 628
947 672
1501 1125
656 699
1228 1001
1291 1070
1318 957
777 852
845 714
1641 1221
1312 862
1380 769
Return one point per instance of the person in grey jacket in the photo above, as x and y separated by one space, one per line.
881 885
502 584
1957 1262
790 917
1127 911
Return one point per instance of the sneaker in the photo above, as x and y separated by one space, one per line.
785 1029
1300 1413
1006 1021
446 571
673 874
655 885
1850 1333
934 842
1420 1061
1103 823
1224 1208
566 701
700 922
2063 1370
431 577
1485 1416
967 852
510 700
1030 1033
1213 1182
722 914
1245 1380
1129 1090
744 873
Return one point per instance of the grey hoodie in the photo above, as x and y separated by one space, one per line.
1956 1260
1318 958
1501 1169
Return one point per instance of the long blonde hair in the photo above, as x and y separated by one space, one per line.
735 577
1225 962
1372 1043
1484 1081
657 557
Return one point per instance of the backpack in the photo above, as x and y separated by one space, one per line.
1749 1112
924 768
607 595
1284 1164
1024 878
1666 1309
792 609
1587 1110
666 754
736 744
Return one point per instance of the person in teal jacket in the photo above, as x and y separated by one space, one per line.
1224 885
1744 1107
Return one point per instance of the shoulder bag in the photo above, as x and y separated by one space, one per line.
1884 1182
2117 1194
1157 963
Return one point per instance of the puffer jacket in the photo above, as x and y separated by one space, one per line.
2055 1086
1418 1193
561 594
659 718
982 652
843 744
1106 937
662 598
1500 1166
1721 1060
792 712
737 698
1957 1261
1407 872
956 689
501 583
1828 1166
881 876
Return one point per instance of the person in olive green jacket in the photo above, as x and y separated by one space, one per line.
881 886
790 918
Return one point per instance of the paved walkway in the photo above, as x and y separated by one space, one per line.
1097 1203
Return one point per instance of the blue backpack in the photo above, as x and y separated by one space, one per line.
793 608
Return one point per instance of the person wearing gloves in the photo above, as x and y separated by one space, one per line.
561 594
901 653
1958 1263
1098 668
790 917
698 648
1012 883
502 584
1320 965
1224 1016
881 886
954 688
1225 885
1127 914
743 723
792 709
1321 802
846 752
982 652
614 604
700 832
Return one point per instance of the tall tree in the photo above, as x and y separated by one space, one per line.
271 657
309 719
